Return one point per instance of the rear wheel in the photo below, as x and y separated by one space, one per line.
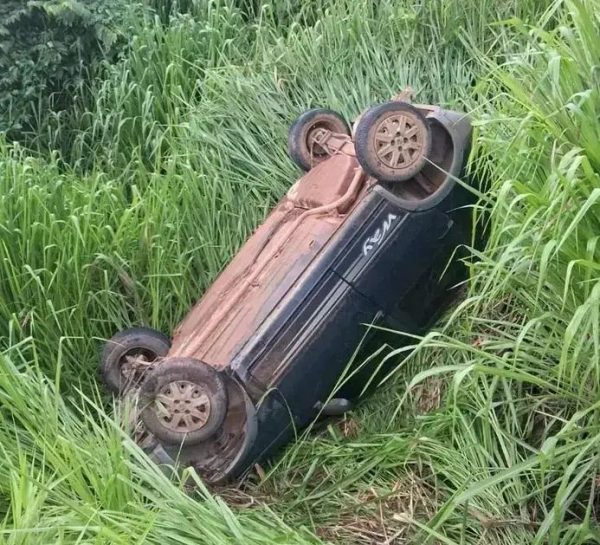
306 133
183 401
128 354
392 141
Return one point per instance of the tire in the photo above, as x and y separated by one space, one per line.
392 141
134 342
186 387
301 147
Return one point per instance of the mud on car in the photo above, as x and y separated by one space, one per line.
367 236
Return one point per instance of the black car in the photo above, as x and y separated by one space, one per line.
368 236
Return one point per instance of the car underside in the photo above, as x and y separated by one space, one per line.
369 237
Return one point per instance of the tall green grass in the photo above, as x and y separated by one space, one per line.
70 475
171 162
488 433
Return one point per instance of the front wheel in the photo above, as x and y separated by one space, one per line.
392 141
183 401
128 353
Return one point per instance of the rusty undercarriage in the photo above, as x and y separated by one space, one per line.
364 237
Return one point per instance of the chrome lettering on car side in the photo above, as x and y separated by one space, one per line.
376 238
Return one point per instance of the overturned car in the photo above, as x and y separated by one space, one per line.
368 236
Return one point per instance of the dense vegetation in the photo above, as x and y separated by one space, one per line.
125 205
49 48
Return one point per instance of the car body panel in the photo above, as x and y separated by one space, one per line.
266 267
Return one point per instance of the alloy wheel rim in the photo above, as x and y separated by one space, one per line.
399 140
183 406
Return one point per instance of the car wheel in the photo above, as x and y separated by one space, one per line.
392 141
127 353
306 131
183 401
